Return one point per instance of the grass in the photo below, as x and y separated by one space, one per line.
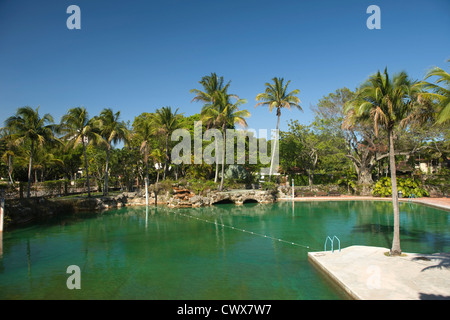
388 254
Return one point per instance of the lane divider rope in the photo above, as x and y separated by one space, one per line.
243 230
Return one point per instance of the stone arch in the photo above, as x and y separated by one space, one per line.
250 200
224 201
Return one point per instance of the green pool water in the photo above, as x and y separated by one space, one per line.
131 253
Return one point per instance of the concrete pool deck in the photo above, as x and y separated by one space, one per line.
441 203
367 273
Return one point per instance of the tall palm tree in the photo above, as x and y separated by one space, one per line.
78 128
112 131
144 130
29 126
276 96
166 122
212 87
225 114
389 104
441 94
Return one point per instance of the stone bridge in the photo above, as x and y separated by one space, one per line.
238 197
183 198
243 196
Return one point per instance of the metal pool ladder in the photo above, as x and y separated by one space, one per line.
332 241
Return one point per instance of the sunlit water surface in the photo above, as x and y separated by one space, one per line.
134 253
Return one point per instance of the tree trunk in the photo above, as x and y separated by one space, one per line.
395 250
87 168
105 189
167 157
223 159
10 169
365 174
217 160
146 175
310 179
274 145
365 180
30 166
146 191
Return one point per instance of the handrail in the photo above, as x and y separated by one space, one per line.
332 243
326 240
339 241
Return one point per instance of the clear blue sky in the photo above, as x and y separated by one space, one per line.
137 56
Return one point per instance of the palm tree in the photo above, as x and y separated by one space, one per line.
144 131
78 128
44 158
441 94
113 131
390 104
212 87
225 114
8 145
277 96
29 126
166 122
157 157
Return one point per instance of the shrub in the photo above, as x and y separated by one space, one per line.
408 186
232 184
163 186
201 186
269 185
439 181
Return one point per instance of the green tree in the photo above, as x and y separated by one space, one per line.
157 157
112 131
166 122
389 103
360 144
29 127
440 94
213 86
8 151
276 96
78 128
144 130
226 114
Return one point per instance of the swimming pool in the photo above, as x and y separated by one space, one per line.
194 253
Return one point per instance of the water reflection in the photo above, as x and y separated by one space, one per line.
193 253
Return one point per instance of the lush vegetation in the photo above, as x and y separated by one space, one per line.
408 188
389 125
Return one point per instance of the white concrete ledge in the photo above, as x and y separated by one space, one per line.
367 273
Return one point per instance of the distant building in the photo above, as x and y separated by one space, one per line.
431 166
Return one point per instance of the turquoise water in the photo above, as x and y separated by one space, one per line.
131 253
